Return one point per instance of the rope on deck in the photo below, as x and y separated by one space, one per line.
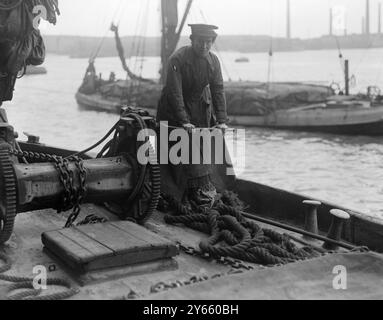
231 235
27 283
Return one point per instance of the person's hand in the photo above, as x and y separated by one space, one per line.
222 126
189 127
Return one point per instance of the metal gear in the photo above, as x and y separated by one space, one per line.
8 194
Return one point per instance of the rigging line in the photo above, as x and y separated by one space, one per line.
136 43
135 37
140 40
98 48
216 48
143 45
122 13
271 54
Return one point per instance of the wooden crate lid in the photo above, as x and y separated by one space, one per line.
107 245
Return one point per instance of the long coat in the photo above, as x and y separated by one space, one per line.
194 91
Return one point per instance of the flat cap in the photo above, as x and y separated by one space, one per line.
203 30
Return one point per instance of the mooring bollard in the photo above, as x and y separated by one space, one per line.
311 217
335 232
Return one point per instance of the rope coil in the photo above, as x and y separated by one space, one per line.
27 283
231 235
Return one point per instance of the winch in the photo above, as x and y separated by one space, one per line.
33 181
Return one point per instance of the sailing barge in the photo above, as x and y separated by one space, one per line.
286 105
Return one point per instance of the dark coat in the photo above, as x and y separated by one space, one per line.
194 91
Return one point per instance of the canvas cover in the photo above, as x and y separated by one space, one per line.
243 98
257 99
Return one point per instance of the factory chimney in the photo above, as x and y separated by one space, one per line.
331 23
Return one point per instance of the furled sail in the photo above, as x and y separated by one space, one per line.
120 50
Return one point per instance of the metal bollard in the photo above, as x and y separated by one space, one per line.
335 232
311 217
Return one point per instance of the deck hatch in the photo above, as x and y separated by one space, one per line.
107 245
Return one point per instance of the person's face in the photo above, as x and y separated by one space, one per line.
202 45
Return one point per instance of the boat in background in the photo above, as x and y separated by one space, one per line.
33 70
287 106
280 105
242 59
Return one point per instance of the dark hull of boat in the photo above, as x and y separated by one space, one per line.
370 129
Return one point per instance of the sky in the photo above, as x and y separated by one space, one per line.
309 18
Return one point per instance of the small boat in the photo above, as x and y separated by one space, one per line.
242 60
34 70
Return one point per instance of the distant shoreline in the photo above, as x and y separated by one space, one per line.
83 47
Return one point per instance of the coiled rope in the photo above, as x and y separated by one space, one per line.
27 283
231 235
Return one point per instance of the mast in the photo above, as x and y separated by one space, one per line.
170 34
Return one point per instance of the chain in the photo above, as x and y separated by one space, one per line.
72 197
163 286
92 219
79 196
226 261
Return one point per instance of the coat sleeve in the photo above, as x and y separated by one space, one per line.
174 88
218 92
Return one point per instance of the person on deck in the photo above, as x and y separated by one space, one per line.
193 97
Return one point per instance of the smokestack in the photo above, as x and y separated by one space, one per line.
367 17
331 21
288 27
363 26
380 18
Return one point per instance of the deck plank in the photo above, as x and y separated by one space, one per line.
107 245
114 238
64 246
84 241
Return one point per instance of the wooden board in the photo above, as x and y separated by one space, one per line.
107 245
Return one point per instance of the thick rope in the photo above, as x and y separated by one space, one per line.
27 283
231 235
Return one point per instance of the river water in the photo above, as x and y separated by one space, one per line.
347 170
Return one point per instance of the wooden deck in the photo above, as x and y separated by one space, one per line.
26 251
